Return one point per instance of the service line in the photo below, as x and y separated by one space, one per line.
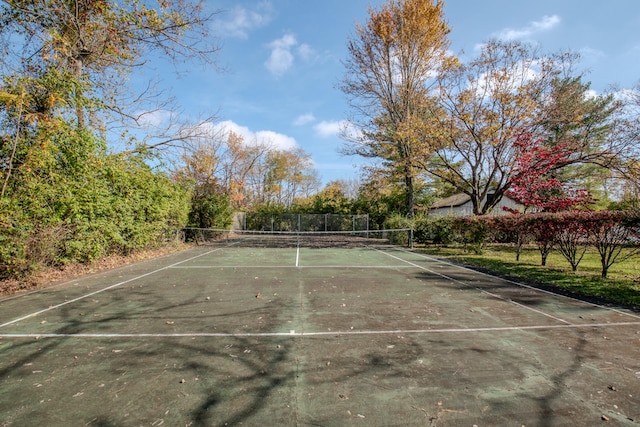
293 333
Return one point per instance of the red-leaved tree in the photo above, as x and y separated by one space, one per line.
532 183
615 235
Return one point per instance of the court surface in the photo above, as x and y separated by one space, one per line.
358 336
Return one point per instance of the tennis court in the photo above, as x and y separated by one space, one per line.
299 333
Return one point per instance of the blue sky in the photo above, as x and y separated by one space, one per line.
282 61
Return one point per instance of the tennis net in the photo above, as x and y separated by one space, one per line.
288 239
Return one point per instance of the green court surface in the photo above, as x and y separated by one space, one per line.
358 336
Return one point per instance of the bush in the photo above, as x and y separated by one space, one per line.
472 232
436 230
80 211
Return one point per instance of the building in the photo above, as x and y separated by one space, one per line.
460 205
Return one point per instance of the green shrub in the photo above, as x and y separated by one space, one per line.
436 230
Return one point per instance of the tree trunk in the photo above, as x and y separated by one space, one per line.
519 243
410 197
605 269
78 67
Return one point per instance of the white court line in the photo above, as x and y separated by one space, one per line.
293 333
53 307
478 289
523 285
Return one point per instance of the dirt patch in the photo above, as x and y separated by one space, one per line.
51 276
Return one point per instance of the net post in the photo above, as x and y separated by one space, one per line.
411 238
367 225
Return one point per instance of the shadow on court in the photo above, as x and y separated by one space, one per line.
372 337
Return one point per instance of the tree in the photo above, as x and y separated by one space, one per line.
571 237
392 64
283 175
579 121
531 182
543 233
379 196
629 131
98 42
614 234
331 199
487 102
511 90
588 127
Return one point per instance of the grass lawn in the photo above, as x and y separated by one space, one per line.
622 286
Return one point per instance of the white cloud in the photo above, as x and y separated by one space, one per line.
281 58
263 137
242 20
154 119
304 119
327 129
306 52
276 140
547 23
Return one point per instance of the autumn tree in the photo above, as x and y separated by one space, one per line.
65 196
508 90
331 199
629 131
247 173
98 42
217 166
487 102
532 181
589 126
392 62
282 176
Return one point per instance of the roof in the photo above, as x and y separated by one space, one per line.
451 201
